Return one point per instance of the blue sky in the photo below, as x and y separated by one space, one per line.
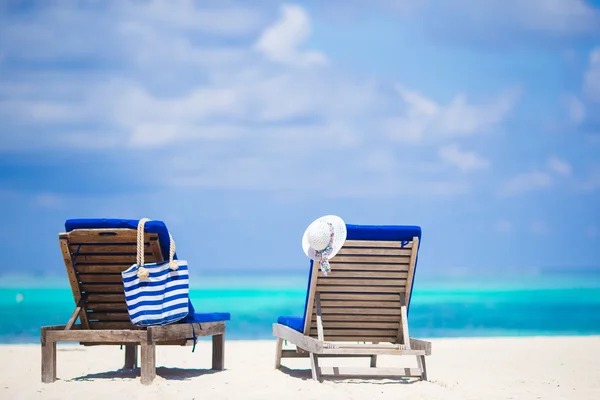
238 123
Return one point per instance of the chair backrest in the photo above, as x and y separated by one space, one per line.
362 295
94 259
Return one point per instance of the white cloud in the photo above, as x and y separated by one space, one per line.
49 200
592 76
576 109
527 182
559 166
281 41
220 112
538 179
463 160
424 119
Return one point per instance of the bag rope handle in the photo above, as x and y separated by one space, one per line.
143 272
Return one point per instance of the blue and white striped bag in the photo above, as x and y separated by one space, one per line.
156 294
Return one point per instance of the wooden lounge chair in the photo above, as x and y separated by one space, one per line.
360 309
95 252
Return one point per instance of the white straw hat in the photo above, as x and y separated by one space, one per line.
323 238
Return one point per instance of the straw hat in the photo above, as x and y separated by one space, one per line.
323 238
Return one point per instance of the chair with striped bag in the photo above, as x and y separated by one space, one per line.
97 255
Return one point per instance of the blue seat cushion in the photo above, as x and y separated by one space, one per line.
296 323
207 317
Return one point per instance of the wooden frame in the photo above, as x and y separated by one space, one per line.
94 259
363 299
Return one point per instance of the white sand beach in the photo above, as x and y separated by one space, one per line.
489 368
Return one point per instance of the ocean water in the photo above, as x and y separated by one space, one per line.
555 304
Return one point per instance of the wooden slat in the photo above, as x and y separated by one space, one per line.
332 280
105 298
359 339
358 319
358 289
100 278
337 266
78 236
359 310
106 306
113 325
390 333
108 316
368 372
359 325
177 331
356 349
374 251
360 296
125 336
296 354
301 340
112 258
360 303
365 274
417 344
99 288
376 243
181 342
108 248
375 259
157 251
100 268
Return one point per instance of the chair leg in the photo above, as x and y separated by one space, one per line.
278 353
374 358
314 366
218 354
422 367
48 360
373 361
148 366
130 356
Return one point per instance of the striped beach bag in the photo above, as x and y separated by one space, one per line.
157 293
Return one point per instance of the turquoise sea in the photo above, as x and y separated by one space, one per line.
513 305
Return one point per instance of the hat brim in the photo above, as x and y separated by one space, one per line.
339 230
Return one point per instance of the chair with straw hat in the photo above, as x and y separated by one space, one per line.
359 290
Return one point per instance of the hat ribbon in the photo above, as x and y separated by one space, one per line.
324 254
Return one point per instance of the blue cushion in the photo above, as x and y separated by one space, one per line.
296 323
392 233
153 226
207 317
107 223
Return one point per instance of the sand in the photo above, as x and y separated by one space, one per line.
490 368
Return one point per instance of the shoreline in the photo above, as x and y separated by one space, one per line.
428 338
